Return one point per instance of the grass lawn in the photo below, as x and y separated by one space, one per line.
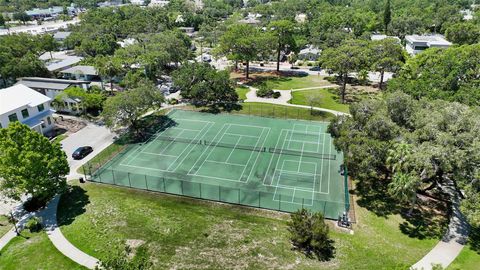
282 111
242 92
324 98
105 154
468 259
34 251
5 226
183 233
287 83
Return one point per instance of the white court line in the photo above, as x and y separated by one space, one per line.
321 166
189 144
273 156
258 155
301 157
228 163
256 137
206 148
233 150
163 155
191 148
251 154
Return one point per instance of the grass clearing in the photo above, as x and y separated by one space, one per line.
192 234
5 226
323 98
294 82
468 259
34 251
242 92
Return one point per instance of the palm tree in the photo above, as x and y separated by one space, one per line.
108 67
404 188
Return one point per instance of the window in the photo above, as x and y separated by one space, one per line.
49 121
25 113
40 107
13 117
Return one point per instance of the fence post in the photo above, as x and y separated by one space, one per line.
164 189
238 196
303 202
113 177
181 186
200 184
146 182
279 201
259 196
129 181
219 194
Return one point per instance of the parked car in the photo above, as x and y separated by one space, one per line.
82 152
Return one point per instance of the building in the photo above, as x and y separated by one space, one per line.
82 73
54 87
60 36
415 44
382 37
137 2
158 3
311 53
21 103
53 12
58 61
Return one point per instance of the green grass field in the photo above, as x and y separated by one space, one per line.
288 83
468 259
261 162
242 92
34 251
323 98
5 226
187 233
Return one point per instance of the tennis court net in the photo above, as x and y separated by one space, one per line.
211 143
301 153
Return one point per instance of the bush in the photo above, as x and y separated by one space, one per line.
173 101
276 94
34 224
264 91
309 234
309 64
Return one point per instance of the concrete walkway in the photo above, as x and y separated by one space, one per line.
445 252
286 96
49 217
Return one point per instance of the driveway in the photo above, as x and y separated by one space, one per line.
98 137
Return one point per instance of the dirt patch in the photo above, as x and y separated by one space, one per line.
67 126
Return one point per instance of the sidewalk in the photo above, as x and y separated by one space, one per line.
445 252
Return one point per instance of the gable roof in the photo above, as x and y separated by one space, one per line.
19 95
61 35
85 70
49 83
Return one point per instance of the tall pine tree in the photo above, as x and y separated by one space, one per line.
387 16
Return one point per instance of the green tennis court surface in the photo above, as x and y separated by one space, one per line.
261 162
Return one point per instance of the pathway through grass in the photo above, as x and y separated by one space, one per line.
190 234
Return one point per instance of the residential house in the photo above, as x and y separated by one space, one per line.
60 36
158 3
137 2
53 12
82 73
21 103
54 87
311 53
416 44
382 37
58 61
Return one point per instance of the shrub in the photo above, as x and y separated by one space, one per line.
264 91
34 224
309 234
276 94
309 64
173 101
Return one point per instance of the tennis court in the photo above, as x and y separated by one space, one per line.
261 162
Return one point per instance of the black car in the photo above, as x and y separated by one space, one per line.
82 152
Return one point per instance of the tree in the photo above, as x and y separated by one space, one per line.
30 164
351 56
463 33
91 100
407 146
243 42
309 234
388 56
48 44
2 20
387 16
204 85
21 16
449 74
108 67
283 31
126 108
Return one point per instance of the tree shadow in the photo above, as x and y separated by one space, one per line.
428 220
376 200
474 239
72 204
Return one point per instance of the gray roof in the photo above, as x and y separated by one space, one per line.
59 64
86 70
61 35
49 83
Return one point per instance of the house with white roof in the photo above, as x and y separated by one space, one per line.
376 37
58 61
82 73
415 44
137 2
23 104
158 3
310 53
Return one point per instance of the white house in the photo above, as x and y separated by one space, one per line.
158 3
310 53
21 103
415 44
137 2
382 37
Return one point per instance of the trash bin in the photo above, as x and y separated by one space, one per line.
81 180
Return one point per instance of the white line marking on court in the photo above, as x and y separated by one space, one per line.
258 155
251 154
234 134
227 163
233 150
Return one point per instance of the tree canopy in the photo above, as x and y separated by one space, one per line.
408 146
30 164
450 74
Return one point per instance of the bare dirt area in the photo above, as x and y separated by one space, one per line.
67 126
